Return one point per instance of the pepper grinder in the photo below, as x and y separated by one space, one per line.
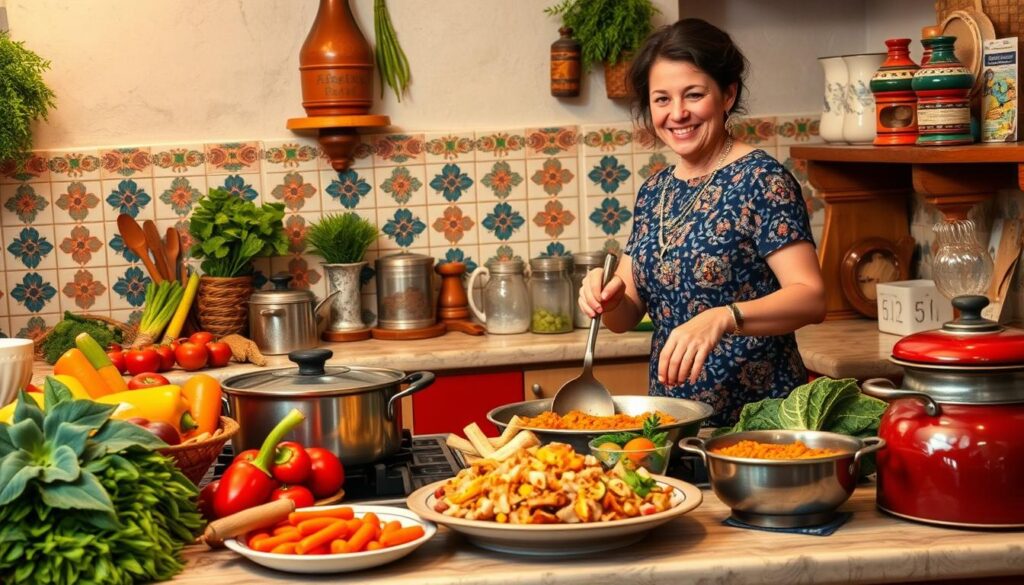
452 302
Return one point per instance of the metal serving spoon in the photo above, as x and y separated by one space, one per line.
585 393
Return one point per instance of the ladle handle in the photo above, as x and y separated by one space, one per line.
595 323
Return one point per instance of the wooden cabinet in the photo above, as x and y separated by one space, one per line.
619 378
455 400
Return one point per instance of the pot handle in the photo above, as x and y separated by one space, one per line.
417 381
886 390
695 445
870 445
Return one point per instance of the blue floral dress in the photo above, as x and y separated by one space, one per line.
715 255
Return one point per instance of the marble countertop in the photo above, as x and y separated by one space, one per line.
839 349
696 548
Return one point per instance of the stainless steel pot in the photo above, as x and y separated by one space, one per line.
784 493
689 414
353 411
283 320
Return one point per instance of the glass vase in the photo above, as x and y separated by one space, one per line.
961 265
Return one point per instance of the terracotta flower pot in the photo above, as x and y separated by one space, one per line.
615 78
223 304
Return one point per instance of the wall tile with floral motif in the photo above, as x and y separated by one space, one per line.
402 228
31 326
74 165
551 177
560 248
178 160
608 217
504 251
299 154
347 190
129 162
445 147
83 290
755 131
79 245
398 149
500 180
178 196
609 174
297 190
32 247
248 186
451 182
131 196
232 158
456 224
798 129
607 139
404 185
35 169
505 221
551 141
26 203
32 291
500 144
77 201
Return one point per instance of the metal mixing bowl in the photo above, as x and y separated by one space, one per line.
784 493
689 414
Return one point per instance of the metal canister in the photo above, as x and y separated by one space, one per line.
405 291
583 262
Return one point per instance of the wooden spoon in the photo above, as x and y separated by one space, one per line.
172 245
133 237
157 246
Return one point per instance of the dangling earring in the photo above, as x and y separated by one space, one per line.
728 128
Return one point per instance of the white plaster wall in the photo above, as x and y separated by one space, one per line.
783 38
157 71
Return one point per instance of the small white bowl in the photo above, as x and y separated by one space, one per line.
345 562
15 367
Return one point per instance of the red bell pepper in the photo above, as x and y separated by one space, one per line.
247 484
292 464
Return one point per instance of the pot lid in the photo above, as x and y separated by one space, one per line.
281 293
970 341
589 259
404 260
312 377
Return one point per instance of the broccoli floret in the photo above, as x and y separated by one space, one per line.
62 338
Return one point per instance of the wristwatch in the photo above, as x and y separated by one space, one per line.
737 317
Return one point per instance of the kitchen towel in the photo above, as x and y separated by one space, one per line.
819 530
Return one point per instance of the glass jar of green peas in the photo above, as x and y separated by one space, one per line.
551 295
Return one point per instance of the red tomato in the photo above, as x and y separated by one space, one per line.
206 499
299 494
166 357
328 475
117 358
201 337
220 353
140 361
292 464
147 380
32 388
114 347
191 356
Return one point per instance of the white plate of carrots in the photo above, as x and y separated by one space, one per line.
335 539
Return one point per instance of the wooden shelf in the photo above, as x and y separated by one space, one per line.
865 189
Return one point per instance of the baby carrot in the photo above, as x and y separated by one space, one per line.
282 529
361 538
391 526
307 527
344 513
372 519
373 545
320 550
254 537
285 548
321 537
338 545
401 536
267 544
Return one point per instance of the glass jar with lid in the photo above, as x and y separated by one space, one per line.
551 297
506 301
583 262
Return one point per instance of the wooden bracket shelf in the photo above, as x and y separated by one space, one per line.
865 190
338 135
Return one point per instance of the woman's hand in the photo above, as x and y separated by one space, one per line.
688 346
594 299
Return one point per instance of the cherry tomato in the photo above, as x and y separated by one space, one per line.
117 358
147 380
299 494
220 353
191 356
328 475
206 498
166 357
201 337
114 346
161 430
140 361
292 464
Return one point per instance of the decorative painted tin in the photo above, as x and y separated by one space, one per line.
895 100
942 87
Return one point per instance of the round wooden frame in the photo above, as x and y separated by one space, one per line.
858 256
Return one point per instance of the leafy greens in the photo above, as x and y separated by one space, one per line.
230 231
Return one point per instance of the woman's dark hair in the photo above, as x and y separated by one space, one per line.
693 40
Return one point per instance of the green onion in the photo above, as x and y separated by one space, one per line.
392 65
161 302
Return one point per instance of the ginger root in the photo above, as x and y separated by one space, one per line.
244 350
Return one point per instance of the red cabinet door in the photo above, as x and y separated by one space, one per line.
454 401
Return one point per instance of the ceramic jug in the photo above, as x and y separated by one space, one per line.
859 121
834 108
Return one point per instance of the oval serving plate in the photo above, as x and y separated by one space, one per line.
971 29
342 563
557 539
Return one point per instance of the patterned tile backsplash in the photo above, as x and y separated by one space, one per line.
458 196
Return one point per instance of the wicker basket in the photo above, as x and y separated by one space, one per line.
616 83
128 332
1007 16
193 459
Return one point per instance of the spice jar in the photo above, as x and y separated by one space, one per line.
505 298
583 262
551 295
565 65
405 291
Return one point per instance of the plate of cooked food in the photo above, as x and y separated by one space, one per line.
550 500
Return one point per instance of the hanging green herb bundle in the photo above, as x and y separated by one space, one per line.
392 65
85 499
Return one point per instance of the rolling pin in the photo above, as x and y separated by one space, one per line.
238 523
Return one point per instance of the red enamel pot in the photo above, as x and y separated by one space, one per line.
955 450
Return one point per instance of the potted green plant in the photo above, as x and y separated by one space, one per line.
342 240
608 32
228 232
24 98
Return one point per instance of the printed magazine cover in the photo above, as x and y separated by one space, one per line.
999 96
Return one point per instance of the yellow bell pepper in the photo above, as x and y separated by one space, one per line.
159 404
76 388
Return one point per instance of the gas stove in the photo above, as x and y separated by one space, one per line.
424 459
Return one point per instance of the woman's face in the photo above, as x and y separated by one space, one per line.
688 109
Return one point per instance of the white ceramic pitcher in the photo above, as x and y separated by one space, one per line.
859 121
834 108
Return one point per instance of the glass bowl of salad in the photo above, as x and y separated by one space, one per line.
648 449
